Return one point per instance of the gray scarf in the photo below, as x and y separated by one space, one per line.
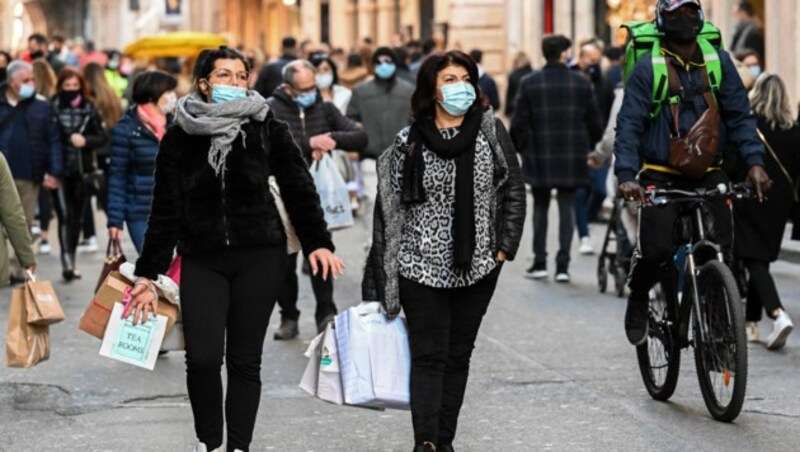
222 121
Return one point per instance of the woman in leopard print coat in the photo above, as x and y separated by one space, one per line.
450 211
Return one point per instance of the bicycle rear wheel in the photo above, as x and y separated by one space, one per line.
721 360
660 357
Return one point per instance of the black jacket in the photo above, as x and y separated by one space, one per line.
84 120
759 227
514 80
381 274
320 118
202 212
556 123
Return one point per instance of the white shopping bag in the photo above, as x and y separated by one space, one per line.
311 375
174 341
333 193
374 357
329 383
136 345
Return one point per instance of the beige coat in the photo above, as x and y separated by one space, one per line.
12 225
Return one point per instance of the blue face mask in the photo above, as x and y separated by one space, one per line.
26 91
225 93
305 100
755 70
457 98
385 70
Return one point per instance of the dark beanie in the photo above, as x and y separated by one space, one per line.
384 51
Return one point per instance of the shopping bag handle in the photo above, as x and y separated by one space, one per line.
369 307
30 276
115 247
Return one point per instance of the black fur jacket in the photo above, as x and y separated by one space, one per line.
202 213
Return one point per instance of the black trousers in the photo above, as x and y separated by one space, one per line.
658 228
227 298
761 291
442 327
323 293
70 204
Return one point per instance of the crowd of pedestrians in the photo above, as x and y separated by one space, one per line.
184 154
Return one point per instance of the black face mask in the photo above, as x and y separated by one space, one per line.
2 74
37 54
683 29
67 97
595 72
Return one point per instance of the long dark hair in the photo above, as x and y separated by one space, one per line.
423 102
205 62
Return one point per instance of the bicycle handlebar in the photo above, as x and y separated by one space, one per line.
660 196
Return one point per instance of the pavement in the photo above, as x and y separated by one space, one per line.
552 370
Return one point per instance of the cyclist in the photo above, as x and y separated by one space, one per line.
646 137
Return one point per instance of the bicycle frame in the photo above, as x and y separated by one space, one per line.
686 264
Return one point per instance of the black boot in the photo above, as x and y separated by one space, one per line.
443 448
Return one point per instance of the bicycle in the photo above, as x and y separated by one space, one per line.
697 289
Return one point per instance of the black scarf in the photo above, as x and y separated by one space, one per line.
462 149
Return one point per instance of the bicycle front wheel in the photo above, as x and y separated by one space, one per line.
660 357
721 360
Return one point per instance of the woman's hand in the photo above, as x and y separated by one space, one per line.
78 140
144 300
501 256
328 262
114 233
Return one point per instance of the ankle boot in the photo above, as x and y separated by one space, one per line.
443 448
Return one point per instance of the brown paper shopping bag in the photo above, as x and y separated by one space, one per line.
42 303
26 345
95 318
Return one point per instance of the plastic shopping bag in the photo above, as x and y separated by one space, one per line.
374 357
322 377
333 193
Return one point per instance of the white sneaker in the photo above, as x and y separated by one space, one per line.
586 246
88 246
44 247
35 230
781 327
751 329
562 277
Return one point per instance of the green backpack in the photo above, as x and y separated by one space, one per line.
645 39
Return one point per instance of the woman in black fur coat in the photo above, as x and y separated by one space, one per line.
212 201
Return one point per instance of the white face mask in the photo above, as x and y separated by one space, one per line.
324 81
172 102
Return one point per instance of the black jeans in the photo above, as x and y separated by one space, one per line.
227 298
761 291
69 201
658 227
566 227
442 327
323 292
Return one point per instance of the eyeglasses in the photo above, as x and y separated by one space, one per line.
228 77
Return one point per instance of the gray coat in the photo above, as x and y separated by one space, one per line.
12 225
383 108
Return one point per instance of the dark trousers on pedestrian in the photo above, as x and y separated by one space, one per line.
589 200
442 327
227 299
566 227
761 291
323 293
69 201
658 226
